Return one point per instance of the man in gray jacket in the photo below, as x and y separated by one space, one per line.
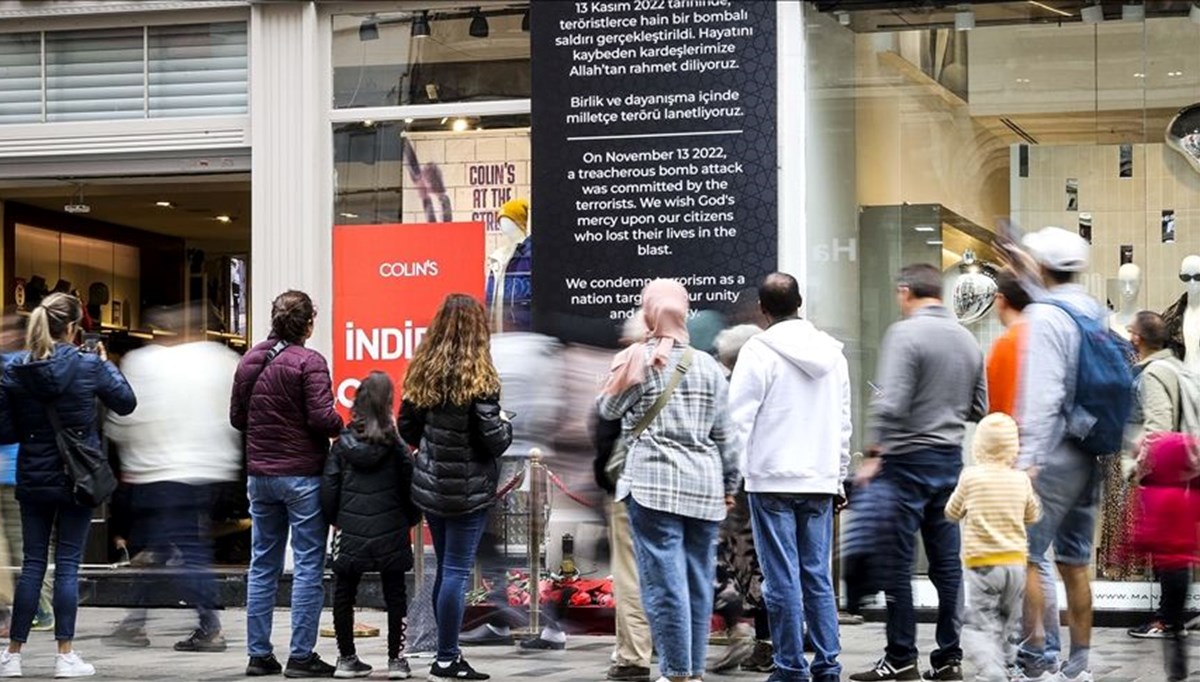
931 382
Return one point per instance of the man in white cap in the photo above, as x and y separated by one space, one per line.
1066 477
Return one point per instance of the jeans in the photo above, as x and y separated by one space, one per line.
395 597
676 559
455 542
793 535
170 514
277 504
38 521
919 486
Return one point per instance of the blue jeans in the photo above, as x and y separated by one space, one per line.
455 543
920 484
677 563
38 521
278 503
793 536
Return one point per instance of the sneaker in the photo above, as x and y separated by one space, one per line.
43 621
950 671
71 665
762 660
539 644
127 636
456 670
10 664
202 642
1152 630
739 650
349 667
398 669
885 670
312 666
628 673
1084 676
261 666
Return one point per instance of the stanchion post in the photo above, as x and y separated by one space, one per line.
419 553
536 477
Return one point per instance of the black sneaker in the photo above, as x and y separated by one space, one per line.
203 642
458 670
628 673
539 644
1152 630
762 660
261 666
312 666
127 636
886 670
349 667
950 671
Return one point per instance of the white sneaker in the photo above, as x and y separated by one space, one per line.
1085 676
71 665
10 664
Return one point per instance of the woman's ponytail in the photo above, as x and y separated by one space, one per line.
49 322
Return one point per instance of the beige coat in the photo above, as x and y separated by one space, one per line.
1158 393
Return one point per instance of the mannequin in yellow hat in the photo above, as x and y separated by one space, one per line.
509 283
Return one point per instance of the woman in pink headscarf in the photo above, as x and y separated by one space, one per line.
680 474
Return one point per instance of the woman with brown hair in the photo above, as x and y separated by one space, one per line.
451 415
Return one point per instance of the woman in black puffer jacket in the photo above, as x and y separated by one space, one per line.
53 375
451 415
367 496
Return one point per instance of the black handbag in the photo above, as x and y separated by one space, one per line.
92 479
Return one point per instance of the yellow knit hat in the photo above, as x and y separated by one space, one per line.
996 440
517 210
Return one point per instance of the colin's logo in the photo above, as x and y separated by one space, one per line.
429 268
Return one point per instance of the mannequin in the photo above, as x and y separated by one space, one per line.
1130 279
1183 318
509 285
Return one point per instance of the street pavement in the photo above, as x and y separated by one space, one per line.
1116 657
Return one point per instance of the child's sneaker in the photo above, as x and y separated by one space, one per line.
71 665
349 667
10 664
398 669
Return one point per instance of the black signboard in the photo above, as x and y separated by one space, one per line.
654 155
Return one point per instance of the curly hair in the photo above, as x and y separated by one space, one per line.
291 314
453 364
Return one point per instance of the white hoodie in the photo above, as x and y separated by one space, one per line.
790 405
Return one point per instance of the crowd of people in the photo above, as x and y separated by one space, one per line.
726 462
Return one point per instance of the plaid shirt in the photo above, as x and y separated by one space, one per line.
685 461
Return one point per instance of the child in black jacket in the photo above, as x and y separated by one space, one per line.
367 496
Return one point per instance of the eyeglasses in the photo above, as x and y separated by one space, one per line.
1183 277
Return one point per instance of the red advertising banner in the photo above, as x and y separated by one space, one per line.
388 281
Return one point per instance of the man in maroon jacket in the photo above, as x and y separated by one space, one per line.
283 402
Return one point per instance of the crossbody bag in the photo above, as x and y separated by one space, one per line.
620 451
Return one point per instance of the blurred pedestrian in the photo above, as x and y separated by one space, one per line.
794 463
1167 512
451 415
679 477
994 502
53 381
1004 361
367 497
173 449
283 402
931 382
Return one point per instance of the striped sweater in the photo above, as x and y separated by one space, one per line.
994 503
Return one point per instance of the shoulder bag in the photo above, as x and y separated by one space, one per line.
92 479
616 461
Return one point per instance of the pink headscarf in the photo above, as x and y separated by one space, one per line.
665 307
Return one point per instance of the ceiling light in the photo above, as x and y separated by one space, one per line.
223 219
420 25
924 228
367 123
479 25
460 125
964 20
1194 13
1092 14
1048 8
408 120
1132 12
934 242
368 30
1139 75
525 22
345 214
164 204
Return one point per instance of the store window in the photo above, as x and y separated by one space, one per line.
929 130
431 56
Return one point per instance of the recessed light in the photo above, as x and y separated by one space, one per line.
368 123
408 120
924 228
223 219
460 125
934 242
164 204
1139 75
348 215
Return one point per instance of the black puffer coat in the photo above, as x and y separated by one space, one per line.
457 445
72 381
367 494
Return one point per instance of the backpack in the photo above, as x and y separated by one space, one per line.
1103 388
1188 418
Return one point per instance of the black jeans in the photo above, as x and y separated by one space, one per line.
1175 584
345 594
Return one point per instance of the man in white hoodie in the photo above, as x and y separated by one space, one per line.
790 404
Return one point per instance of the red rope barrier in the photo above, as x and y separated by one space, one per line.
563 487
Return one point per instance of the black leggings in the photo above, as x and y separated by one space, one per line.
1175 584
395 596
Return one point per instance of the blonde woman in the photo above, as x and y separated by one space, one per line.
451 415
52 374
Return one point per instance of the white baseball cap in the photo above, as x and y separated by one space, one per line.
1058 249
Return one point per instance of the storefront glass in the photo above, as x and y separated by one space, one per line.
931 129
